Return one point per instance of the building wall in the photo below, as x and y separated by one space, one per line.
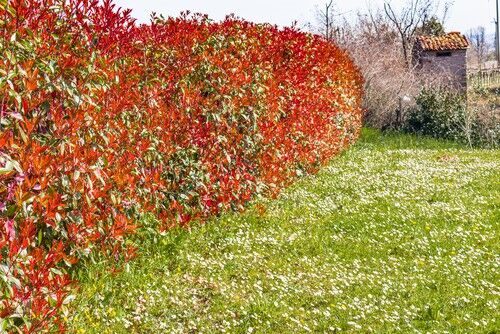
454 66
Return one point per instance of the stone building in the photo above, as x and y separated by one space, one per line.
445 55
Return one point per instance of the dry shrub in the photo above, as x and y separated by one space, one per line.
389 83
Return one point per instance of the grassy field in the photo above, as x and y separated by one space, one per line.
397 235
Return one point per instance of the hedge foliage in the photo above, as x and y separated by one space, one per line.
103 120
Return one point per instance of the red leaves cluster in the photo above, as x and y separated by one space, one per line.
102 120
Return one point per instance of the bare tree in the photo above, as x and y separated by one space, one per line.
374 45
407 21
326 18
479 42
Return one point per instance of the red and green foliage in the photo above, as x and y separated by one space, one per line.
102 120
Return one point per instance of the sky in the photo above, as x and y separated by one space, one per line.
464 15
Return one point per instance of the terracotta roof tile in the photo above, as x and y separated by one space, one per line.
451 41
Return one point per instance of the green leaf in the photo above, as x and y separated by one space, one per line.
68 299
8 168
56 271
40 236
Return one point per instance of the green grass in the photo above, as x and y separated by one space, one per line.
397 235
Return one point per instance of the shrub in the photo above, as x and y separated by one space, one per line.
438 113
485 106
102 120
446 113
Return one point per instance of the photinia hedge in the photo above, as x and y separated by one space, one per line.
103 120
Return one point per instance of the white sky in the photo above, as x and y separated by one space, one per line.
465 14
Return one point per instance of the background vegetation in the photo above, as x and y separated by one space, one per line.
445 113
399 96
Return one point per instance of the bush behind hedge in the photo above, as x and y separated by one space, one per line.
445 113
103 120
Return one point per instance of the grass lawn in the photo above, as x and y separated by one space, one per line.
397 235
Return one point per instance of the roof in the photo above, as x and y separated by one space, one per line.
448 42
